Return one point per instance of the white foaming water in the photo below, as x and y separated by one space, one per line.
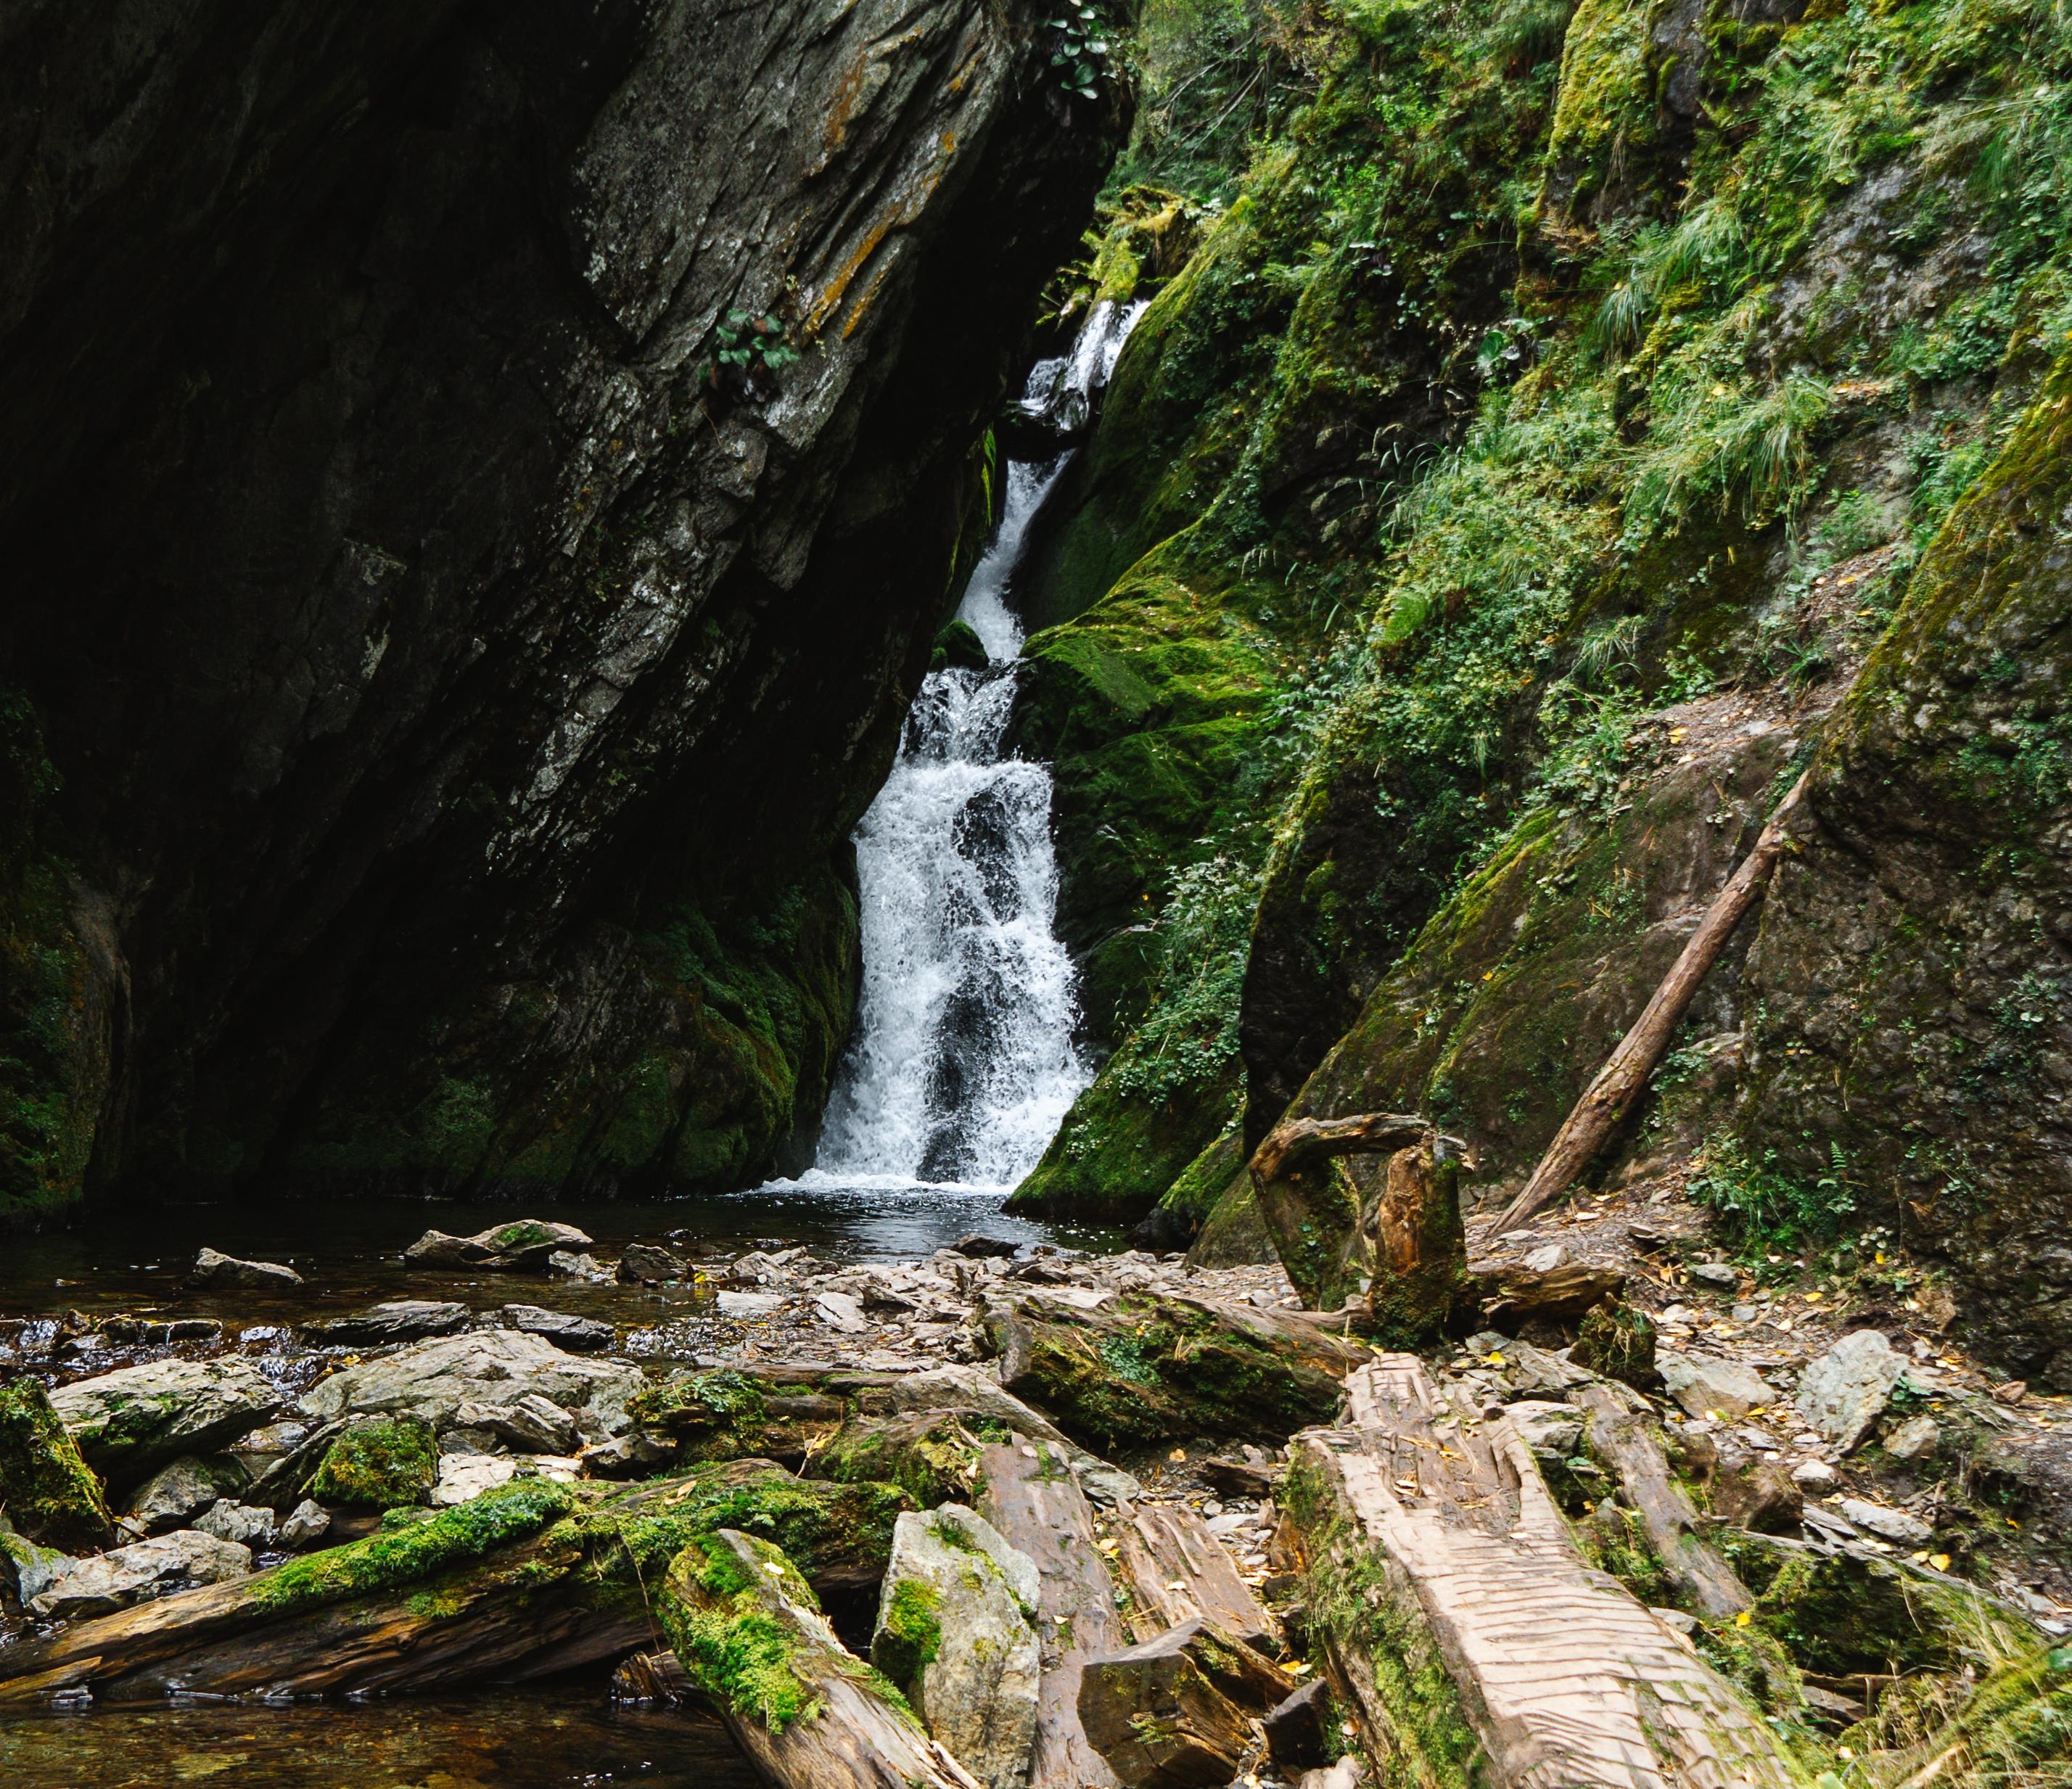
963 1065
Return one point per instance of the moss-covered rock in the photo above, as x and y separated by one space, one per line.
47 1493
385 1464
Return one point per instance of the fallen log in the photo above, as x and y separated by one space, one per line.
1621 1438
1455 1614
1611 1094
1176 1711
530 1578
806 1710
1514 1294
1142 1369
1029 1493
1178 1573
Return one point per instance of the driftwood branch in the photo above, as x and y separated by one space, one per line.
1608 1098
1621 1438
1299 1141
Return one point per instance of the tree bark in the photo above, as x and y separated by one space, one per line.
1428 1540
1619 1436
1618 1084
1291 1145
1177 1711
847 1733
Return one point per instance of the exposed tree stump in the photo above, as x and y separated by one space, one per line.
808 1712
1417 1252
1176 1711
1028 1493
1178 1571
1456 1614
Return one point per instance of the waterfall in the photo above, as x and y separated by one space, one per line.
964 1065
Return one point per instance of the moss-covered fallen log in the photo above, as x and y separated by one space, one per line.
1140 1369
812 1715
529 1578
1458 1619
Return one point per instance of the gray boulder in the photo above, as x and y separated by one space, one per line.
1897 1526
952 1633
213 1267
1843 1392
174 1494
308 1524
241 1523
27 1569
577 1335
1552 1431
138 1573
491 1369
1707 1386
129 1422
404 1320
506 1248
532 1423
1917 1438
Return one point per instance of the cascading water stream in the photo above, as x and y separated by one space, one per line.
964 1065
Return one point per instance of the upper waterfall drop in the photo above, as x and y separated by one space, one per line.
964 1062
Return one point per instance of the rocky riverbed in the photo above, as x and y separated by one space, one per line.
343 1502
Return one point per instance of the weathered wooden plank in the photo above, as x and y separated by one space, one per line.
1439 1519
1029 1493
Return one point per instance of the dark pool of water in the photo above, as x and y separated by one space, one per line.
529 1739
350 1251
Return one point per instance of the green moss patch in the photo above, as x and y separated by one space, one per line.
379 1465
47 1492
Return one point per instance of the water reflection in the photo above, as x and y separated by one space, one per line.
536 1739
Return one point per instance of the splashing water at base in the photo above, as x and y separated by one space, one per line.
964 1065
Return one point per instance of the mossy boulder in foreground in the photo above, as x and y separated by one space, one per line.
47 1492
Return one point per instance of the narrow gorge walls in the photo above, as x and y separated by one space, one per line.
478 486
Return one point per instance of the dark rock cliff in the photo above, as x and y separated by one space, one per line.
435 685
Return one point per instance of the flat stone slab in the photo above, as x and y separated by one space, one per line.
131 1421
486 1367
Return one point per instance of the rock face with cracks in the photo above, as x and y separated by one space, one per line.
443 661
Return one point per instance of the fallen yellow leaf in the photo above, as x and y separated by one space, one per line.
1743 1619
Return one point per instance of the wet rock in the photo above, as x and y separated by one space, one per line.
135 1573
532 1423
749 1304
1917 1438
381 1463
1895 1526
1708 1386
577 1335
132 1421
47 1490
214 1268
642 1264
433 1379
241 1523
402 1320
576 1266
174 1494
950 1633
1843 1392
306 1524
506 1248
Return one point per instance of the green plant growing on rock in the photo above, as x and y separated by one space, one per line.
744 343
1084 48
47 1493
381 1465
